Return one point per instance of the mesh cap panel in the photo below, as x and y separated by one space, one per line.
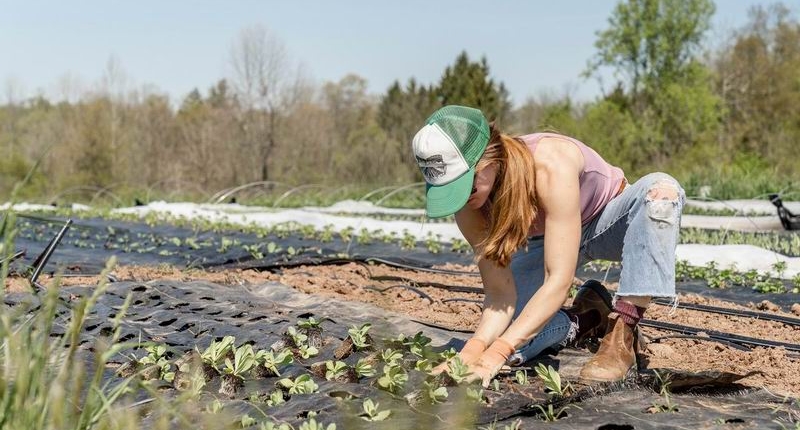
467 127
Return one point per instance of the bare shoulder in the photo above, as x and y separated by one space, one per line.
554 154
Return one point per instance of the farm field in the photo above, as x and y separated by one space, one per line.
340 323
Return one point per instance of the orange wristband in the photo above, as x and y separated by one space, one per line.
472 350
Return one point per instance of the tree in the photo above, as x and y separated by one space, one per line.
401 113
651 43
468 83
267 85
652 47
757 77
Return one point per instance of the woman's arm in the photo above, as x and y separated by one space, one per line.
558 198
500 294
557 189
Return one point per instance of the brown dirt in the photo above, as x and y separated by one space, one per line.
780 371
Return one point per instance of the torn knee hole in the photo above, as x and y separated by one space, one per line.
663 190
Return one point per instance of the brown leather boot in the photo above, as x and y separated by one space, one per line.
616 354
590 308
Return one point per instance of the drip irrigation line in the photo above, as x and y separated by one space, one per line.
441 327
480 302
730 337
730 344
407 287
733 312
416 268
17 255
453 288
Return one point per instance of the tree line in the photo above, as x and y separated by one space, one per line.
724 121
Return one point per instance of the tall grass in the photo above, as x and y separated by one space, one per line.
50 382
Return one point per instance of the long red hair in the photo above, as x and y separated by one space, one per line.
511 205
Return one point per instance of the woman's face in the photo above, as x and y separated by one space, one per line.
482 186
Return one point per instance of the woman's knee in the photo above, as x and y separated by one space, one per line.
662 186
663 198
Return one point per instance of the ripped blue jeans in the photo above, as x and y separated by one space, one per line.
639 228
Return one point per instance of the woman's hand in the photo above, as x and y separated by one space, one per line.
469 354
490 362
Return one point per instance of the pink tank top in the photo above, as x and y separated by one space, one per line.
599 181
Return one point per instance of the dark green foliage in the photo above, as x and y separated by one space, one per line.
468 83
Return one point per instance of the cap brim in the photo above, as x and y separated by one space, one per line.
447 199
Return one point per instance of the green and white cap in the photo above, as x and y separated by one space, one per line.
447 149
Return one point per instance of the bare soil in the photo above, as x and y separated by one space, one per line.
779 370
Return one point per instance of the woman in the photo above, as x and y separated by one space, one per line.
533 207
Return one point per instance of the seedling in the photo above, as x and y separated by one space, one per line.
303 384
475 394
326 235
550 414
216 352
391 357
364 237
335 369
312 424
273 248
313 331
460 246
433 393
408 241
346 234
393 379
433 243
359 336
254 251
522 377
214 407
364 369
248 421
307 351
157 365
423 365
372 413
448 354
275 398
244 359
419 345
458 370
297 339
272 362
552 380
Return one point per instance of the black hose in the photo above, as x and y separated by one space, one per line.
702 338
732 312
730 337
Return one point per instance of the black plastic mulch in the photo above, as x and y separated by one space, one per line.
193 314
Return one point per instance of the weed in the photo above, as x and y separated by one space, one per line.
667 405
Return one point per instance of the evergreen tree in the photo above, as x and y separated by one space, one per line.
468 83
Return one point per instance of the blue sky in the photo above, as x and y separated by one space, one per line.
532 46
